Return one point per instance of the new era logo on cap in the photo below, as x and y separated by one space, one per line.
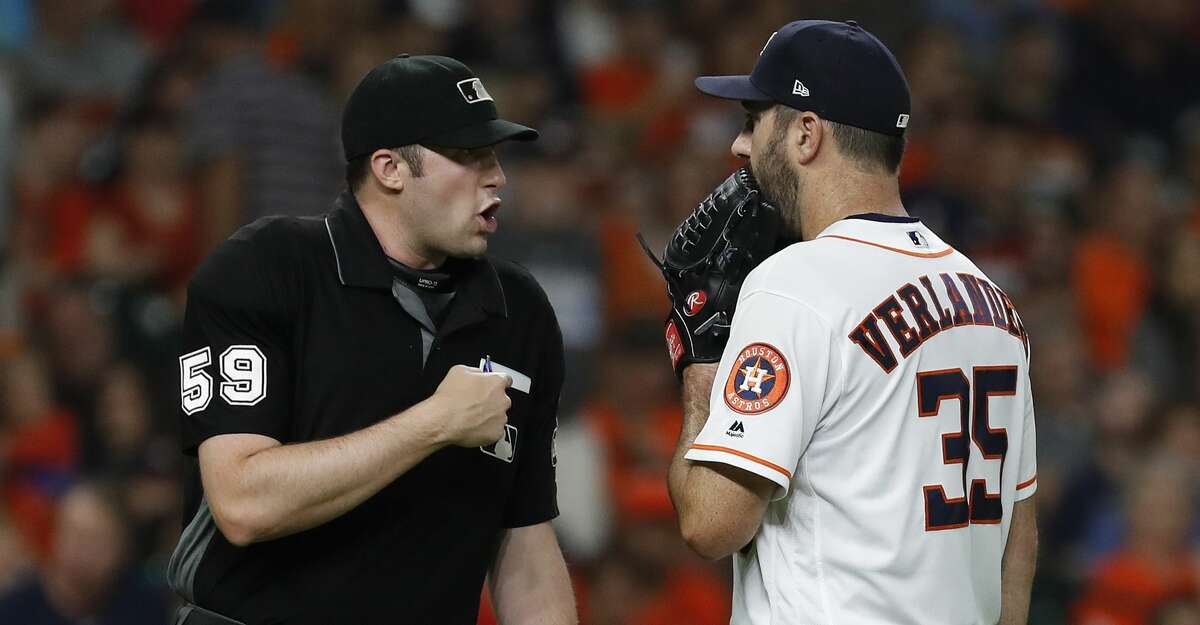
799 89
472 90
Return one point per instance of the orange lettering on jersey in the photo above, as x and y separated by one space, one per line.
759 380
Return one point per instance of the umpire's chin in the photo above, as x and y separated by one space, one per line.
473 246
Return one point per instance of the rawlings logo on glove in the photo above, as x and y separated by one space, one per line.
709 256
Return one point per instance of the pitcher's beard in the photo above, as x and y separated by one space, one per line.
781 186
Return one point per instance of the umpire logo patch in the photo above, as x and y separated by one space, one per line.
472 91
759 380
506 448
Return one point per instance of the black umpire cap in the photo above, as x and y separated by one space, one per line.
429 100
836 69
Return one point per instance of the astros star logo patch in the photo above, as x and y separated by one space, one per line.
758 381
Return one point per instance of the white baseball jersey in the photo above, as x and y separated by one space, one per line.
882 381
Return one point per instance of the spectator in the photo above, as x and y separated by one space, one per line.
266 139
650 579
637 423
1091 516
80 346
38 451
1112 272
147 230
552 235
87 578
1156 565
80 51
142 460
15 562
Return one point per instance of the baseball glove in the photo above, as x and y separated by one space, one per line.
707 259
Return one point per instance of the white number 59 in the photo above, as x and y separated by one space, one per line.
243 369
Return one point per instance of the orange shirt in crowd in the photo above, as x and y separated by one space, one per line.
37 459
1112 286
633 288
173 240
63 223
691 596
637 454
1128 589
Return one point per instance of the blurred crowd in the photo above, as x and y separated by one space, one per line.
1057 142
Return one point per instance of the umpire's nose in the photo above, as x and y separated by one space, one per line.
495 173
741 145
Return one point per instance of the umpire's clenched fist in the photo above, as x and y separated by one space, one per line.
474 404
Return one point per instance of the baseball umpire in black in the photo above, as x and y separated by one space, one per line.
370 399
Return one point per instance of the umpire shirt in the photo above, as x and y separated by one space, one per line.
292 332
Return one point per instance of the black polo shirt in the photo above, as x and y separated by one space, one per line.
292 332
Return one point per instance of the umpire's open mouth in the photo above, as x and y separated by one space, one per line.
488 215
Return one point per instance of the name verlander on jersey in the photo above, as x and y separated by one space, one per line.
914 322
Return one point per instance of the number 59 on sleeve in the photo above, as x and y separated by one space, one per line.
243 371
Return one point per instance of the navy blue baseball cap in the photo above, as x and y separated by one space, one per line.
838 70
429 100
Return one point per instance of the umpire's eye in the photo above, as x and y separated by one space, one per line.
751 120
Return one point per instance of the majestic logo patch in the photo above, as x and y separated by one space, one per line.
472 90
695 301
758 381
737 430
674 343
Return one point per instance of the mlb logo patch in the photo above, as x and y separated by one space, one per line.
506 448
472 91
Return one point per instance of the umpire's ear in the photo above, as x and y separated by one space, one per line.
389 169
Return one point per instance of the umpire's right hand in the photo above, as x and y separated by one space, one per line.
474 404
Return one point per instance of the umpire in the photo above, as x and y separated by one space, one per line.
370 399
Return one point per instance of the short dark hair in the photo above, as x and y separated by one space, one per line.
867 148
357 169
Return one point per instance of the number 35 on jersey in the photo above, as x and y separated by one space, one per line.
243 370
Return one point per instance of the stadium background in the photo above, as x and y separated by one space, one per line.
1056 142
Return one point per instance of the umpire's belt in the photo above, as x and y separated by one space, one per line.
191 614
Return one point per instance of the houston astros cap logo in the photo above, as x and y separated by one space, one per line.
758 381
695 301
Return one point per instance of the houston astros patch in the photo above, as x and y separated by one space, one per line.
758 381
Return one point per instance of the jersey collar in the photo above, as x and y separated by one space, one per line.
360 262
888 219
895 233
